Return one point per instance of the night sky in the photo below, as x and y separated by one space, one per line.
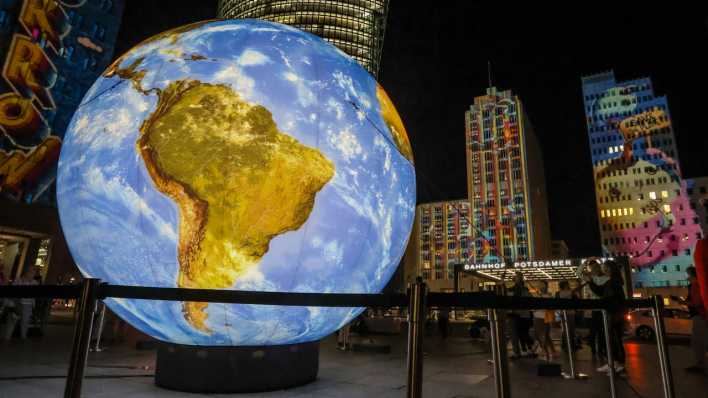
435 62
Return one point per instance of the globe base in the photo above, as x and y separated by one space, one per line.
203 369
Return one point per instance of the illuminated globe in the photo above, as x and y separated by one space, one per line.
237 154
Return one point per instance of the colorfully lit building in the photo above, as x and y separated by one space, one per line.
505 181
356 27
697 189
643 207
440 239
51 52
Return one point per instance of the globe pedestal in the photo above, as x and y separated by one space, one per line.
202 369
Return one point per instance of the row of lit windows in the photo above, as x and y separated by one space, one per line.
628 225
631 159
262 8
613 115
655 143
618 91
617 212
635 170
624 240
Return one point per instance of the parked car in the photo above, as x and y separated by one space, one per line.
640 323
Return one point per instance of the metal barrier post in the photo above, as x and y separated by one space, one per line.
99 329
569 344
501 366
82 338
664 363
610 358
416 318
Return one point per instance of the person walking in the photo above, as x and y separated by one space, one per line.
699 317
542 320
613 291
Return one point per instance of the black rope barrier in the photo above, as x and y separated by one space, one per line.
476 300
40 291
253 297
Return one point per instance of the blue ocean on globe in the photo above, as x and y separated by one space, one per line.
237 154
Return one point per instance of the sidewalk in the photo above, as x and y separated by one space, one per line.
456 367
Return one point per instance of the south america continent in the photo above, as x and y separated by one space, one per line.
237 180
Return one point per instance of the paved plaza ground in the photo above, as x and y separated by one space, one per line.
456 367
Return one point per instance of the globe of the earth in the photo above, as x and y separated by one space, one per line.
236 154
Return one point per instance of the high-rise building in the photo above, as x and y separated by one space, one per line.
355 26
51 51
505 181
440 239
643 208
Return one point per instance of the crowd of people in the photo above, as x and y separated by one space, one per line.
604 281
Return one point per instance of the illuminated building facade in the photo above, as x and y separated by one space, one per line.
697 189
643 207
51 52
355 26
505 181
440 239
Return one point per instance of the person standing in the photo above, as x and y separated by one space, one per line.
613 291
542 320
343 343
699 330
597 330
520 321
26 305
444 322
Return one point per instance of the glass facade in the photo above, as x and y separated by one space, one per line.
643 207
355 26
503 162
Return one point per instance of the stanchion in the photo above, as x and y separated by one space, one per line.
610 357
99 328
499 358
664 363
82 338
569 345
416 318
